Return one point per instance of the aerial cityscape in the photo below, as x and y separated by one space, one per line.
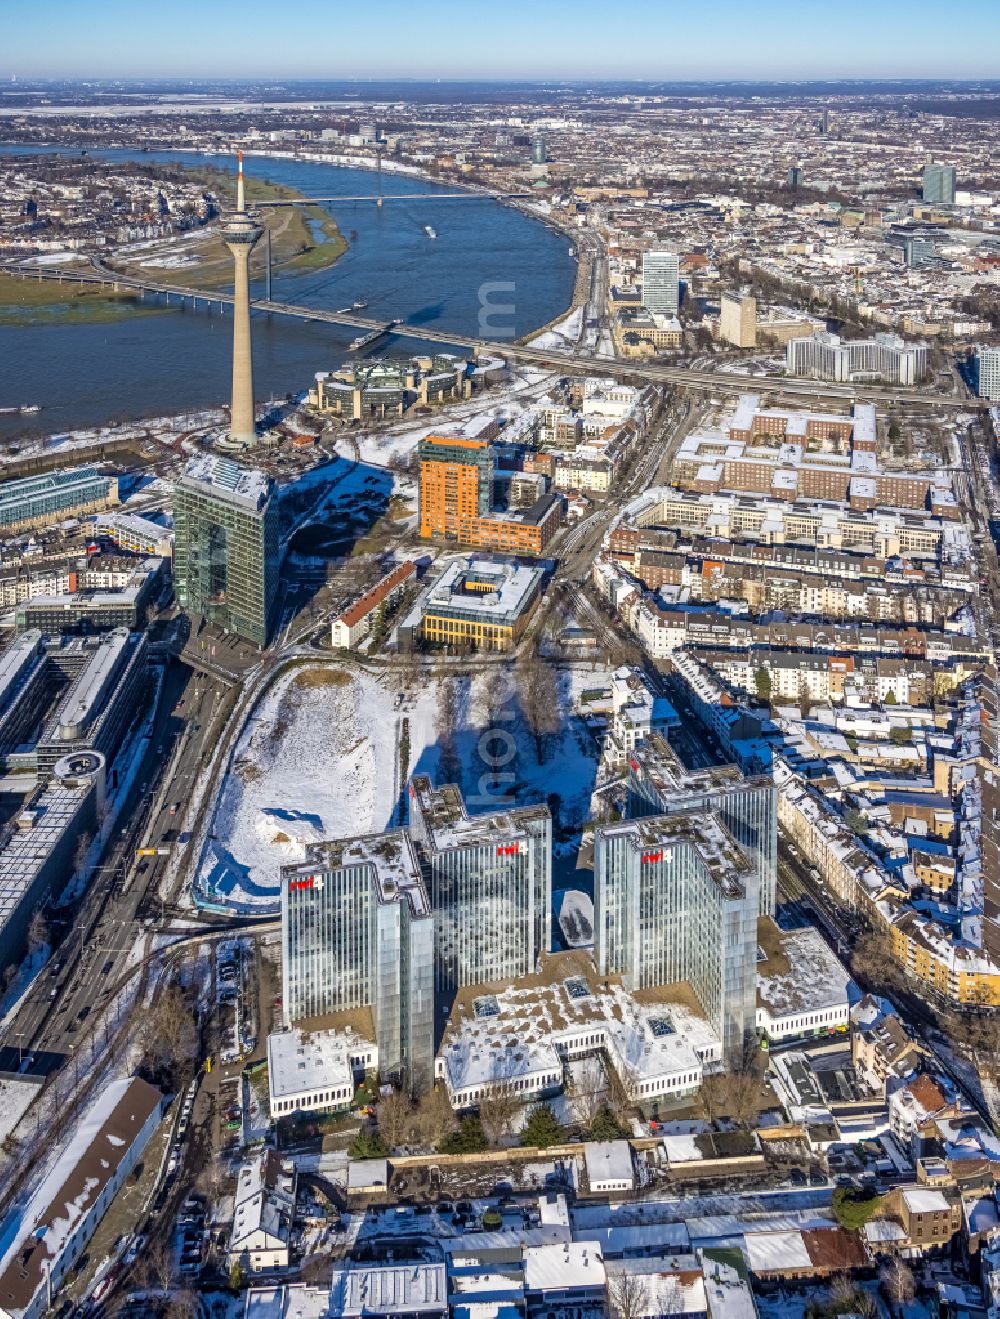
499 707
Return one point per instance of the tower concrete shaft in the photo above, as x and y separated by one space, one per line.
242 414
241 233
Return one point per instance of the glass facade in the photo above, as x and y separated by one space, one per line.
491 885
674 901
659 784
55 494
357 933
226 558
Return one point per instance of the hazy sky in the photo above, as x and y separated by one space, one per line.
516 39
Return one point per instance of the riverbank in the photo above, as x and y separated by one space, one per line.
86 376
303 238
30 301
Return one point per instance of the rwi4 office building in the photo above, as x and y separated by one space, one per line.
660 784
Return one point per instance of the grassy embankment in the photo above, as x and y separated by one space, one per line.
302 238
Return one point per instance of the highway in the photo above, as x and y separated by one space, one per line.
53 1021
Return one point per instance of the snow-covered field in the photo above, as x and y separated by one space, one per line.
567 332
15 1099
317 760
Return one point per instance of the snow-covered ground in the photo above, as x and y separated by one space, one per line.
16 1098
317 759
567 331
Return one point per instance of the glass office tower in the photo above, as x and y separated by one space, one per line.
660 784
490 883
675 901
661 282
226 553
357 932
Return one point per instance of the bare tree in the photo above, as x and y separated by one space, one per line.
896 1280
169 1035
434 1117
628 1295
495 692
447 729
38 932
539 699
157 1264
497 1110
589 1097
395 1118
183 1305
746 1085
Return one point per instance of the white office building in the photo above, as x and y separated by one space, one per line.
826 356
988 373
661 282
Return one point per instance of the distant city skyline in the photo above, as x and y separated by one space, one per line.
634 39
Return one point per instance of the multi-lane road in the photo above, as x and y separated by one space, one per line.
104 941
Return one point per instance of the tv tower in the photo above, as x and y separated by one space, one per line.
241 233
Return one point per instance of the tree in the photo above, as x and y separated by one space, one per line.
158 1264
38 933
468 1138
394 1117
183 1305
890 698
745 1088
237 1276
542 1128
447 729
606 1126
628 1295
367 1144
496 1111
900 737
434 1117
896 1280
539 700
853 1208
589 1098
856 821
170 1037
762 681
495 693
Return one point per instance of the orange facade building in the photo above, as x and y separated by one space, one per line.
456 500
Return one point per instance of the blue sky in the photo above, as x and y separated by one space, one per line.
513 39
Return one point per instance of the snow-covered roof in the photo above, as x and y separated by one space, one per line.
568 1267
776 1252
73 1187
389 1289
608 1161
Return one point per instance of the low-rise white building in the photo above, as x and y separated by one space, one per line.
390 1291
520 1039
802 989
355 623
636 711
570 1272
315 1070
609 1166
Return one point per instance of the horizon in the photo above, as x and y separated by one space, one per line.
912 41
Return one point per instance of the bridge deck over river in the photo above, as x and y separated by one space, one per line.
721 381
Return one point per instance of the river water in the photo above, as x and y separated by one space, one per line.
152 365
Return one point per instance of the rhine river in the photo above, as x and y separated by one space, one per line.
154 365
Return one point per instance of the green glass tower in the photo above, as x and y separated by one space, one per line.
226 555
